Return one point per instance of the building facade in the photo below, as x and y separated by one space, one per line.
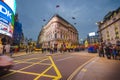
58 32
18 36
92 38
109 28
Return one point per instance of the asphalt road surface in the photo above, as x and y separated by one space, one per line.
56 66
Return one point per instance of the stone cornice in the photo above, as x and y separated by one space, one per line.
109 25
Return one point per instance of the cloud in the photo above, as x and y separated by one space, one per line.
86 12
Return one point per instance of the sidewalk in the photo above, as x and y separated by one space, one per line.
100 69
17 54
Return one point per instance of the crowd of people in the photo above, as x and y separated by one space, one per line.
109 50
5 47
6 62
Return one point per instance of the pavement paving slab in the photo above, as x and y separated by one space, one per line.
100 69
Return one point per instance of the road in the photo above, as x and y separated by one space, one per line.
47 66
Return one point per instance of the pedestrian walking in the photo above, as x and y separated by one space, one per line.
51 50
30 49
27 49
11 51
62 48
1 49
4 41
118 48
118 52
108 52
114 52
101 50
7 48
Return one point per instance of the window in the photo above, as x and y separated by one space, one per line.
61 35
116 33
108 36
55 35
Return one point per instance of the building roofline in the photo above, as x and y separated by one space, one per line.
111 13
57 15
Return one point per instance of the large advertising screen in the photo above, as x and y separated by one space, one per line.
11 4
6 19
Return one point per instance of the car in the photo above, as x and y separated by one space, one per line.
6 63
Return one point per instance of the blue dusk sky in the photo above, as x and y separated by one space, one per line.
86 13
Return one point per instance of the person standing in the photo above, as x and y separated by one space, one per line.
101 50
1 49
51 50
108 50
7 48
27 47
114 52
11 51
4 41
118 48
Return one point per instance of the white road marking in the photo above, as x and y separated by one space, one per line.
64 59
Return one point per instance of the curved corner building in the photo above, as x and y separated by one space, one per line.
58 32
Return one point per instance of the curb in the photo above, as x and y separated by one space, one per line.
20 54
80 68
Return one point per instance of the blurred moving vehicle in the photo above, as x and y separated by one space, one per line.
6 63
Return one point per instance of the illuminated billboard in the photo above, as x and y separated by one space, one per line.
11 4
92 34
6 19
